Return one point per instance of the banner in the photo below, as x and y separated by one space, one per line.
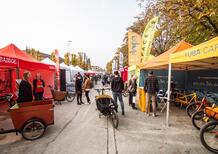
57 68
148 37
134 48
8 62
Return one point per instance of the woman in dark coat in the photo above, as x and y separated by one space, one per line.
78 87
25 89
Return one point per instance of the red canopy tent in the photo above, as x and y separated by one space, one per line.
16 62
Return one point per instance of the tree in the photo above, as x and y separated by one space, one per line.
34 53
109 67
52 57
67 58
80 59
74 59
197 20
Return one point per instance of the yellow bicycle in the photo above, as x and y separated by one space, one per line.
184 100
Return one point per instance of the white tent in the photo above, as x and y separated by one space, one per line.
67 69
48 61
80 69
64 66
74 70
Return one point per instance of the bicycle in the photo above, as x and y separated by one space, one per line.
203 116
209 132
183 99
8 98
197 106
106 106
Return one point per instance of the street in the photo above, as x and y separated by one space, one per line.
78 129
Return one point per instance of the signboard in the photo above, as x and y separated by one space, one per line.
206 80
205 50
7 61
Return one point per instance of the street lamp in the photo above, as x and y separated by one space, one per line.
70 57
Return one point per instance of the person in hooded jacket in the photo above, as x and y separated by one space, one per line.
117 87
79 90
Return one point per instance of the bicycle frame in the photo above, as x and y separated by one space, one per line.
183 99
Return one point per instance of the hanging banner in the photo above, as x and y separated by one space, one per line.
57 68
134 48
148 37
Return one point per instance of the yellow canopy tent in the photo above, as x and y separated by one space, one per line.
162 61
158 63
201 57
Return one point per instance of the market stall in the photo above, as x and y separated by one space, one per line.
17 61
201 57
159 66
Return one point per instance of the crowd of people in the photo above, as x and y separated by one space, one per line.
86 83
151 89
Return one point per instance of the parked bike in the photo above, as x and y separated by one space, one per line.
209 136
59 96
204 116
8 98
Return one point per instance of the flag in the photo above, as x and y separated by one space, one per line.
57 68
148 37
134 48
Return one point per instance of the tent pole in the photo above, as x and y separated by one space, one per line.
168 95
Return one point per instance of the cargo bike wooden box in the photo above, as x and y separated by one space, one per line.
31 118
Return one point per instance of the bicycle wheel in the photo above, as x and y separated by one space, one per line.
192 108
209 137
198 119
114 119
70 97
33 130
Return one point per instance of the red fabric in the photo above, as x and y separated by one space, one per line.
47 76
7 62
124 73
22 59
39 87
12 57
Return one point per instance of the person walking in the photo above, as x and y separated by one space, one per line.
87 87
25 89
38 87
132 88
78 87
151 88
117 86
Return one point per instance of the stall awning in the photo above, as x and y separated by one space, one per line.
162 61
12 55
200 57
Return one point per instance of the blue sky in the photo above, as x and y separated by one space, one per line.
96 27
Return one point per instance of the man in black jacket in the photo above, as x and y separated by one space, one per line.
117 87
151 88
